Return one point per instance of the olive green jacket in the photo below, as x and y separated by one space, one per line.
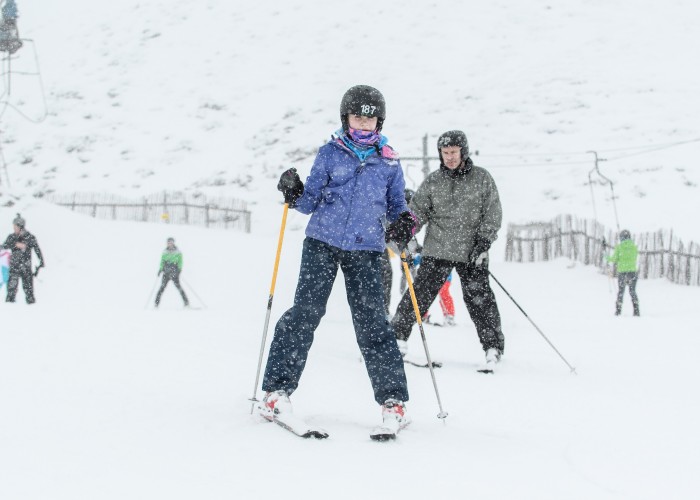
457 209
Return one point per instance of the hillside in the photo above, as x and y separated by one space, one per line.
219 97
103 397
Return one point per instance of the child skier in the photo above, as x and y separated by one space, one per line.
21 243
170 268
356 182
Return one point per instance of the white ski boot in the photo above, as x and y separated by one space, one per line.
493 356
394 419
274 404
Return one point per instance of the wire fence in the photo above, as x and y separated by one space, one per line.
164 207
661 254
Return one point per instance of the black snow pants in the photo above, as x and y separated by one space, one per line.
476 292
176 280
624 280
27 277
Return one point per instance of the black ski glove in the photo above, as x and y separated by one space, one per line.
476 256
291 186
402 230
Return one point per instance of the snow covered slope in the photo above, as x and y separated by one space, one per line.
102 398
220 95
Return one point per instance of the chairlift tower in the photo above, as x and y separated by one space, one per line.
18 59
596 169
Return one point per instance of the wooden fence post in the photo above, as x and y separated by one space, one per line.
586 245
687 265
509 245
671 264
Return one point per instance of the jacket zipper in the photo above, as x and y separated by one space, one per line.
358 171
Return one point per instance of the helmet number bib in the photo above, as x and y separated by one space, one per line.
368 110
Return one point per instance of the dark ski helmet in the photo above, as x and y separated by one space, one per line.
453 138
171 240
625 235
363 100
19 221
408 194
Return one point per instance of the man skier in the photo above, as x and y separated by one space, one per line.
460 208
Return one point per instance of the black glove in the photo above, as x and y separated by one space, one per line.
480 247
401 230
291 186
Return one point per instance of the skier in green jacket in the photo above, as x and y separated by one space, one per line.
170 268
625 258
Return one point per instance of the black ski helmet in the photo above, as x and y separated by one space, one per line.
453 138
408 194
625 235
19 221
363 100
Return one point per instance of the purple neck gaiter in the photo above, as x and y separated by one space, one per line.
363 137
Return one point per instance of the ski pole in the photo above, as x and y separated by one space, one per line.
150 295
573 370
409 281
194 293
253 399
608 272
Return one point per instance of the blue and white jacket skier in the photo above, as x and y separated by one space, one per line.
352 193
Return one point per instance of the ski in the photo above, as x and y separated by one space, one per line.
300 428
383 433
489 367
295 425
420 364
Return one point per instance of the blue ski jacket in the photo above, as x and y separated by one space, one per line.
352 199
